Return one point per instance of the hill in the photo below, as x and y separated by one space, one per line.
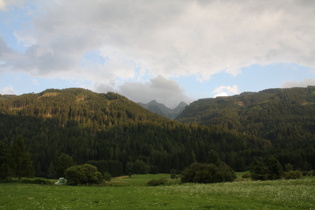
164 111
88 109
114 133
283 116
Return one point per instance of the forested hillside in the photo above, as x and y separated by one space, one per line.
113 133
286 117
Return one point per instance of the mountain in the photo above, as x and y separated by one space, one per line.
286 117
87 108
114 133
162 110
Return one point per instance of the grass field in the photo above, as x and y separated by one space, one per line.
132 193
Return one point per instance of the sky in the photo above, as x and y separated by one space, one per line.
169 51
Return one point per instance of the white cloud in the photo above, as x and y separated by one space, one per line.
303 83
226 90
8 91
4 4
159 88
168 38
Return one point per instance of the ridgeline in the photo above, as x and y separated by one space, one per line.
116 134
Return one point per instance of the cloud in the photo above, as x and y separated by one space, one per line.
4 4
168 38
303 83
159 88
226 91
8 91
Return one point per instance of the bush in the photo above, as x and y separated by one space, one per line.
107 177
292 175
270 169
37 181
173 174
207 173
156 182
83 174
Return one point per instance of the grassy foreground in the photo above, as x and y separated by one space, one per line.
131 193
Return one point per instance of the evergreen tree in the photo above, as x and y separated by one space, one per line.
51 171
213 157
19 161
274 168
64 161
3 161
258 170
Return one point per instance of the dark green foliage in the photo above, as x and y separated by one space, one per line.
292 174
226 173
288 167
156 182
111 132
3 161
83 174
269 169
258 170
107 177
64 161
274 168
207 173
173 174
283 116
51 173
38 181
140 167
19 161
213 157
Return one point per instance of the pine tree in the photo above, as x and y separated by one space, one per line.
3 161
64 161
19 161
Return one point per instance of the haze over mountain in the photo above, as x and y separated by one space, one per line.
161 109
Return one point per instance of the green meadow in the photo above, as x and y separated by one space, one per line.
132 193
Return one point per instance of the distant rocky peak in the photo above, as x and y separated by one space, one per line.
164 111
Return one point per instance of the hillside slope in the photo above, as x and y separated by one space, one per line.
284 116
87 108
111 131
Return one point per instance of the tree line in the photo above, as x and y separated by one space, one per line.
62 128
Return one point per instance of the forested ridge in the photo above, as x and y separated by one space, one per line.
286 117
119 136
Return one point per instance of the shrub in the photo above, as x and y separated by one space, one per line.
107 177
270 169
156 182
207 173
173 174
83 174
292 175
37 181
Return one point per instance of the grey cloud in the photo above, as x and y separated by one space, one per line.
103 88
169 37
303 83
159 88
